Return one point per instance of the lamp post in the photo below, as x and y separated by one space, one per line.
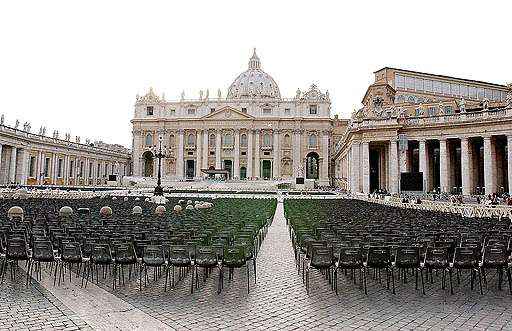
159 191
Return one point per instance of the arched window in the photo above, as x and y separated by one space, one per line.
243 140
287 140
172 141
149 139
312 141
191 139
266 140
227 140
212 140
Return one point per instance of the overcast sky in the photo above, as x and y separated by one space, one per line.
77 66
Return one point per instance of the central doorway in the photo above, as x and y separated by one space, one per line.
148 164
228 165
266 169
374 170
312 165
190 169
243 172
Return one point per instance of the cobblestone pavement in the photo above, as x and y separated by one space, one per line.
278 301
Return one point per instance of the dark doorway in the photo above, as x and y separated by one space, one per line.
266 169
148 164
190 171
312 165
211 175
228 165
374 170
243 173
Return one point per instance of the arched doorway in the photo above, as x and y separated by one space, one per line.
228 165
243 172
148 164
312 165
266 169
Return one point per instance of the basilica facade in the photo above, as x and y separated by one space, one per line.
431 133
251 133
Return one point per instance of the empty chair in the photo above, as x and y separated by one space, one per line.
322 258
379 258
437 258
350 258
409 258
154 257
496 258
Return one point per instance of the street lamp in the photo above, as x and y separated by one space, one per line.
159 191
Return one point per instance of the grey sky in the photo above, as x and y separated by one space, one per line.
77 66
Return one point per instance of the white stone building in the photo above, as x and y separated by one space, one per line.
252 133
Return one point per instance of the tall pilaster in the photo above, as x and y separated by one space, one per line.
489 166
509 161
12 168
444 166
256 169
466 158
218 148
250 148
205 150
393 166
355 168
236 171
424 169
179 159
324 173
365 165
276 155
199 148
297 162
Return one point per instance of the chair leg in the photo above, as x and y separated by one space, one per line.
254 265
247 267
480 281
422 281
364 281
392 279
451 285
192 282
509 281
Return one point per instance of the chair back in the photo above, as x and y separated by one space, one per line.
437 257
407 257
16 249
206 256
495 257
153 255
71 252
465 257
378 257
350 258
42 251
322 257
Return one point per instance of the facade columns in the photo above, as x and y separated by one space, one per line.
297 162
249 153
199 137
444 166
489 166
256 171
424 169
1 161
39 167
324 173
218 142
466 160
276 156
509 163
205 149
179 159
365 166
237 155
12 168
393 166
355 167
24 166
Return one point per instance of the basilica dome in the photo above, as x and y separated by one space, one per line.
254 83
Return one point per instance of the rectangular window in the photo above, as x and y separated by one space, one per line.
267 111
47 167
212 152
32 167
428 86
419 84
173 112
244 110
190 153
287 111
266 153
59 168
212 110
313 109
149 110
191 111
244 153
71 167
399 81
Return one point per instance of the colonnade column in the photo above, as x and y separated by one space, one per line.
257 154
324 174
509 163
199 149
205 149
466 160
24 166
218 142
237 154
444 166
355 167
297 163
249 153
276 156
179 159
393 166
424 164
1 160
366 167
12 168
489 166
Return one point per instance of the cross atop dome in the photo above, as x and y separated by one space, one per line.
254 61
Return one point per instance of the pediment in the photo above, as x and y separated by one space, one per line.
227 113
